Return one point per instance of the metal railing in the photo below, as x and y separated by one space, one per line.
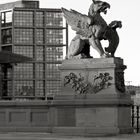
136 118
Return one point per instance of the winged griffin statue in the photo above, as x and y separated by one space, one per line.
90 30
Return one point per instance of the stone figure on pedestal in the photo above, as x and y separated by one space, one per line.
90 30
93 100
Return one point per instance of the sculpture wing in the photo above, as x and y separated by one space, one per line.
78 22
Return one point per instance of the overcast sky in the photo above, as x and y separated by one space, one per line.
128 11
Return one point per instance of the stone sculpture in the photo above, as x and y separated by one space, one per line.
93 90
112 36
90 30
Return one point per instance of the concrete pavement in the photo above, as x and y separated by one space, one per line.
46 136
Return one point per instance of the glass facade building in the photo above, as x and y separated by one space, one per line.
40 34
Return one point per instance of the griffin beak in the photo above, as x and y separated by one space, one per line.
107 5
120 26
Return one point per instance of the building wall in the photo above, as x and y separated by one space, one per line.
134 91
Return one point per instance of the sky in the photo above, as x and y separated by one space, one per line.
125 10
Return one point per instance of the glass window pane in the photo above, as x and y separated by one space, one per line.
23 18
24 50
24 88
54 19
39 19
52 71
23 36
54 36
2 17
8 16
54 53
6 36
40 71
53 87
7 48
53 83
40 88
9 88
39 36
23 71
40 53
9 73
6 87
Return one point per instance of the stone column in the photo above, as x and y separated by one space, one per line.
93 99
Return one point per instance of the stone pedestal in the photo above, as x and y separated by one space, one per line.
93 99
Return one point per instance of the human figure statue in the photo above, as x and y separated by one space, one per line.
90 30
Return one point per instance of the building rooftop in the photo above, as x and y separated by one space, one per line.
20 3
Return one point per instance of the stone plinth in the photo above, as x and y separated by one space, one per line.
93 99
104 75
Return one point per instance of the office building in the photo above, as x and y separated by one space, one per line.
40 34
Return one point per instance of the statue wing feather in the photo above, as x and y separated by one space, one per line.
78 22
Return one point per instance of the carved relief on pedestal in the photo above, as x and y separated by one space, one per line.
100 81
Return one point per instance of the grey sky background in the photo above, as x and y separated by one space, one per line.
128 12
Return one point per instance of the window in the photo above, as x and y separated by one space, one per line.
40 71
24 50
52 71
24 88
24 71
6 18
40 88
54 36
54 19
53 87
23 18
39 36
54 53
40 53
6 87
39 19
6 36
7 48
53 83
23 36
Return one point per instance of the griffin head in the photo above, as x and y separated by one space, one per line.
98 7
104 6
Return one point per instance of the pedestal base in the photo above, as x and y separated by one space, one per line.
89 131
93 99
93 115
